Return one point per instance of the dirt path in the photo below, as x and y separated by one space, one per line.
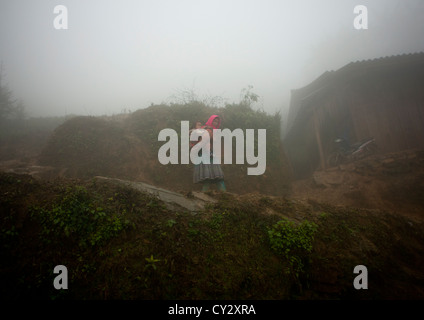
193 202
392 182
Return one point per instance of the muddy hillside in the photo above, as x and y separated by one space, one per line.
89 193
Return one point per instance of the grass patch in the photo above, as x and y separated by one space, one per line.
118 243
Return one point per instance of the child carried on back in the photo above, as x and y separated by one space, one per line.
199 129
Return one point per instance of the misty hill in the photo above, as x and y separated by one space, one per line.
119 242
127 147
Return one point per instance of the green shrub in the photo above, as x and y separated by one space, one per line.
293 241
77 216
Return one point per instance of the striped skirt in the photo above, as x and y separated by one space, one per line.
210 171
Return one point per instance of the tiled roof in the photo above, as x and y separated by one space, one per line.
328 78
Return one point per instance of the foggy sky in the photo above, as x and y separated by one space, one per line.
118 55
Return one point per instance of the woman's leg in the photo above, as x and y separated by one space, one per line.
221 185
206 185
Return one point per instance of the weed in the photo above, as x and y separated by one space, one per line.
323 215
77 216
216 221
171 222
292 241
151 263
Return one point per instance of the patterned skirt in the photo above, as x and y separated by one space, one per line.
210 171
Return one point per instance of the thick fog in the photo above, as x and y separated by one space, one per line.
118 56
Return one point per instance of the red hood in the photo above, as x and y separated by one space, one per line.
209 122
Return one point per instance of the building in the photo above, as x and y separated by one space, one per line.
381 98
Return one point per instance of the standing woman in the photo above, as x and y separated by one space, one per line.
210 173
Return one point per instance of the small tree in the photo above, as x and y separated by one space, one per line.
9 107
247 97
19 111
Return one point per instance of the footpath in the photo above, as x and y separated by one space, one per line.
194 203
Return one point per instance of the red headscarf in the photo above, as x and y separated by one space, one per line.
211 119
